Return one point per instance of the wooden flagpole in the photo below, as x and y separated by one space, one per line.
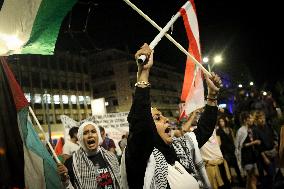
163 33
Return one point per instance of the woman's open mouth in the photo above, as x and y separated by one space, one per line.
91 143
167 130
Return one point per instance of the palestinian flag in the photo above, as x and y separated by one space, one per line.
24 160
31 26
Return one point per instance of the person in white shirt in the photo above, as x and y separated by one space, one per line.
216 166
71 145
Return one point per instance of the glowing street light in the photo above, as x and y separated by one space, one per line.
218 59
264 93
251 83
240 85
205 59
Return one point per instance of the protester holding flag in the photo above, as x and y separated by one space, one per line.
154 159
91 166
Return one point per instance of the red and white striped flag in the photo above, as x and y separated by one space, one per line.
193 90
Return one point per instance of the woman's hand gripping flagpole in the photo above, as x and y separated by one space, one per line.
163 33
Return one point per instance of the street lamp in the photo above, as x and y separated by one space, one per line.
205 59
216 60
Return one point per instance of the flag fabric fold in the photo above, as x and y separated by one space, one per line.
59 146
25 159
31 26
193 89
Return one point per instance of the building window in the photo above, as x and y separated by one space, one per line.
65 106
73 86
113 87
73 99
25 82
37 98
81 100
94 76
65 99
85 68
46 98
45 84
55 84
56 99
166 101
80 86
44 63
87 86
115 102
64 85
57 106
107 73
37 106
78 67
62 65
36 79
109 57
88 100
71 67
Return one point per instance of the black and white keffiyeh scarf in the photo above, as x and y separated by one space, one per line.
187 153
86 172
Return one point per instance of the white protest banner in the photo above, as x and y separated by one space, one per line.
115 124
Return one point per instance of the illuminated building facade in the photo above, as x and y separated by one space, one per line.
65 84
114 77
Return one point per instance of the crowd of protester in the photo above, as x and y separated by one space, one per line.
210 148
245 148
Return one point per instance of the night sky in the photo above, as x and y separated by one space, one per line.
245 32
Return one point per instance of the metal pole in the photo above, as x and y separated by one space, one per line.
209 67
212 66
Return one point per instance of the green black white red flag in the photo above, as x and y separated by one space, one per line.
24 160
31 26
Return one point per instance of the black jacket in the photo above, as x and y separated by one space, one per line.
140 142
